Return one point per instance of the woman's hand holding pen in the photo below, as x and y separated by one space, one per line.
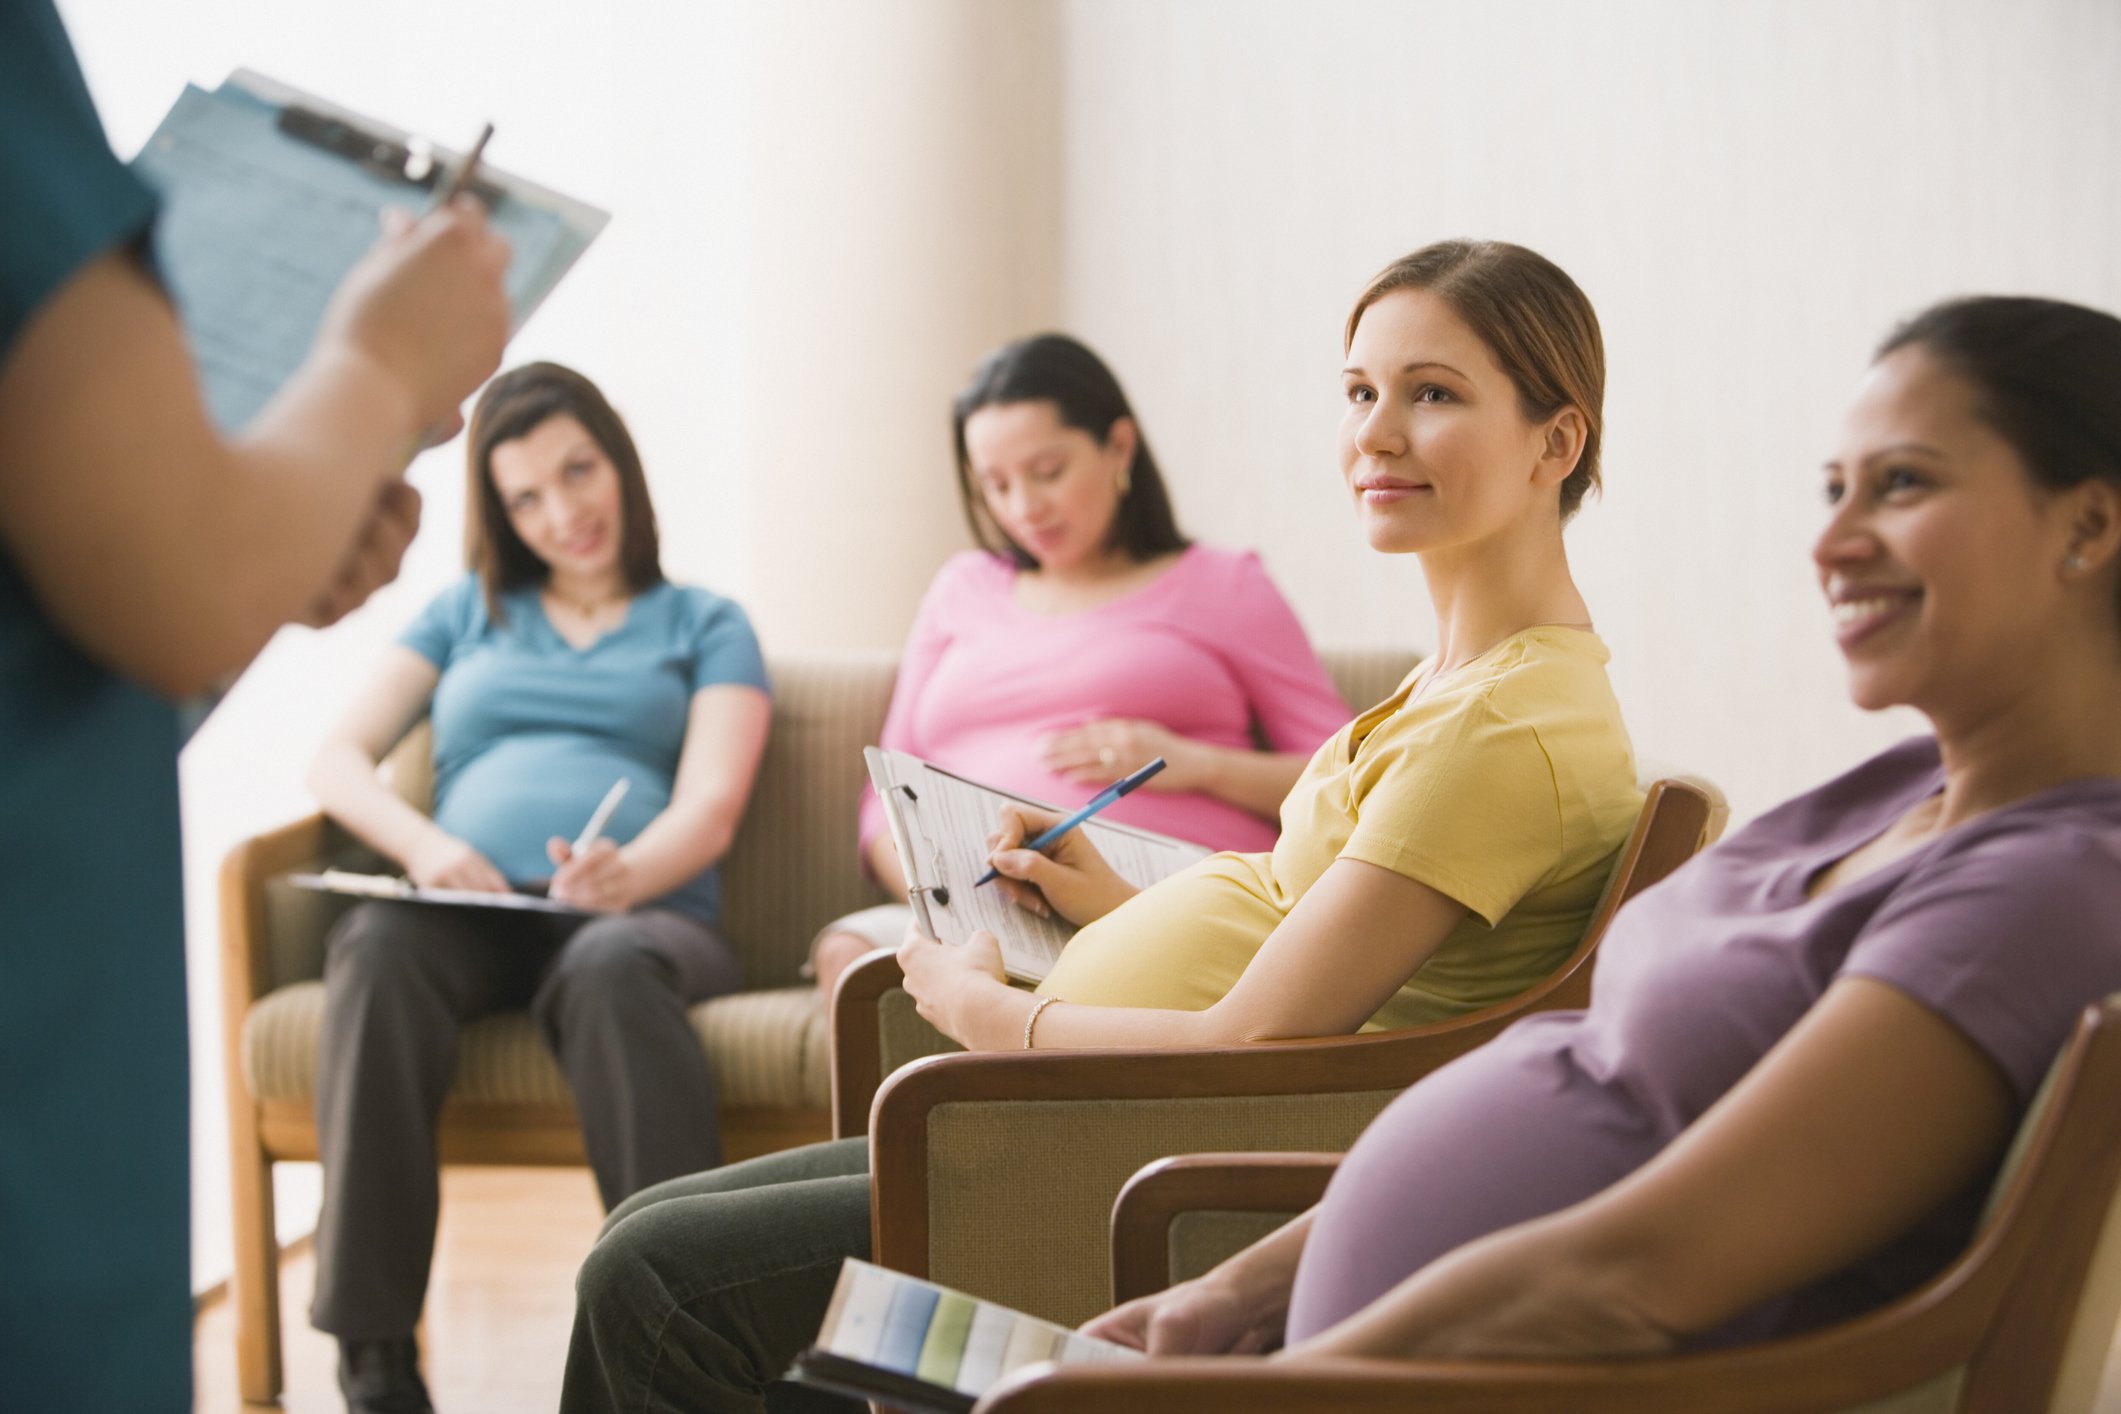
599 878
426 307
445 862
1070 877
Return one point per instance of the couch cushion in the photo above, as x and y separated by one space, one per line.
768 1049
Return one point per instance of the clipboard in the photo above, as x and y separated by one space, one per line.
939 824
387 886
270 195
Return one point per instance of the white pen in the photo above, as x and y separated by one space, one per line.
596 824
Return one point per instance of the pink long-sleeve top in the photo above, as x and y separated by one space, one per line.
1209 649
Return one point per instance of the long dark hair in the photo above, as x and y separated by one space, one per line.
1534 319
514 405
1053 368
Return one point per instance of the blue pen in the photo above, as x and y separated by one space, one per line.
1098 802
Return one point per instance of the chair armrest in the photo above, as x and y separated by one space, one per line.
857 1039
1192 1183
1782 1378
1026 1151
249 867
875 1030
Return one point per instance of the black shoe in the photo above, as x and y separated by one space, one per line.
383 1377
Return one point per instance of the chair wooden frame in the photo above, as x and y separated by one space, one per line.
1673 825
2002 1314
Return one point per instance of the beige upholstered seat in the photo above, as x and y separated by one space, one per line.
768 1050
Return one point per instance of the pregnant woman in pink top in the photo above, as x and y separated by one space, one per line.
1089 636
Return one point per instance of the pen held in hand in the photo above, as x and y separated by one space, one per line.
595 828
460 180
1097 802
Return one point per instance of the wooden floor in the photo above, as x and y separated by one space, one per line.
498 1311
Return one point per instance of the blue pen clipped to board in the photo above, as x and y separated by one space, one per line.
1098 802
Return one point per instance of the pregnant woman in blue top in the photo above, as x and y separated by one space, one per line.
563 663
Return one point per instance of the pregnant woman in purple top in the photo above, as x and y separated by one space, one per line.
1807 1050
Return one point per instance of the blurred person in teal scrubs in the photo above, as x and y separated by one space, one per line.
145 558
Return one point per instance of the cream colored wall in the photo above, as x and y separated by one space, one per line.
1751 191
825 209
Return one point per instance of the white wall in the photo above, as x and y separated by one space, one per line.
1751 191
825 209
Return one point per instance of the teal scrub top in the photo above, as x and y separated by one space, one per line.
95 1209
530 731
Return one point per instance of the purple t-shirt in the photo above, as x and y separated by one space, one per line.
2004 926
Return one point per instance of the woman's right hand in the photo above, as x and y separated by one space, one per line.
1198 1317
426 305
1069 877
446 862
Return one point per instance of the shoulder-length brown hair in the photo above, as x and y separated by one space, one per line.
513 406
1534 319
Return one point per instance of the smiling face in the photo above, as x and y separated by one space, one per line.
1942 561
1435 446
1052 488
563 498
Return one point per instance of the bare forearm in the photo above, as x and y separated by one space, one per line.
884 866
1549 1289
991 1016
185 550
678 844
345 783
1257 781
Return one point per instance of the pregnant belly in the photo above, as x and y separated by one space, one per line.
1511 1132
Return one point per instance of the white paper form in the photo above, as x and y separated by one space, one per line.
940 823
258 227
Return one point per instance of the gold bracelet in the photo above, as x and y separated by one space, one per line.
1032 1020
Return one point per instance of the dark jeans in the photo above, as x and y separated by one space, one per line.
702 1291
400 980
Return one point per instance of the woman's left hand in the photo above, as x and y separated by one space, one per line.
598 879
948 983
1098 753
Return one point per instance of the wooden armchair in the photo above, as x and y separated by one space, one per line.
995 1173
791 870
875 1028
2021 1323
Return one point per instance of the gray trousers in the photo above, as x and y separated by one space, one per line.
400 980
702 1291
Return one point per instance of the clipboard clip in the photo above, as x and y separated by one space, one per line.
940 893
412 162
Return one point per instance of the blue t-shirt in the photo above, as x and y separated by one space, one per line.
95 1203
530 731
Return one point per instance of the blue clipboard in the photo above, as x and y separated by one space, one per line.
270 195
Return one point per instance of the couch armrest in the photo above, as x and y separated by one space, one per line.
1159 1196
